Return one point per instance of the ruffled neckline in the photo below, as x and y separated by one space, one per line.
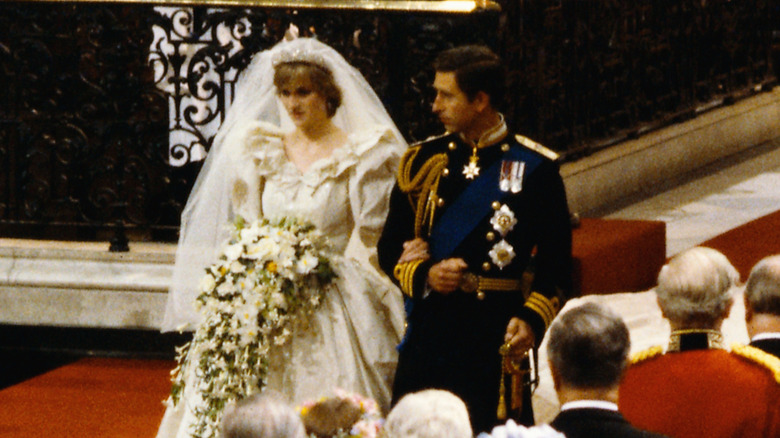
264 143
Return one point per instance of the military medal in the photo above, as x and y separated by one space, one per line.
511 179
471 170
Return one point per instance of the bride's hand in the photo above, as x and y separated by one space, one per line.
416 249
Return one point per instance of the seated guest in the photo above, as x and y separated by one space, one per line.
430 413
262 415
514 430
344 414
697 388
762 305
587 348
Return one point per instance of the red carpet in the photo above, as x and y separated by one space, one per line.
113 398
91 398
746 245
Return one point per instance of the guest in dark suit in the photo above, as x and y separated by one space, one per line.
469 210
762 305
588 351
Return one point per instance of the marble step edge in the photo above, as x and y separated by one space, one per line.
26 264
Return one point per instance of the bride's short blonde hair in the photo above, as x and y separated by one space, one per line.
320 77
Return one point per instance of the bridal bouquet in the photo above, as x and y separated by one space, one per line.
268 274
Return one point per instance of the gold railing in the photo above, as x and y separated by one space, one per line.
436 6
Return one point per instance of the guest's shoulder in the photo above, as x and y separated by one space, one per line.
758 358
646 355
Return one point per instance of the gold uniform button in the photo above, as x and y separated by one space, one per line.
486 266
445 172
490 236
440 202
496 205
452 146
504 147
480 295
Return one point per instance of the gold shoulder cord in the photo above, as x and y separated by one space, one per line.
644 355
422 186
760 357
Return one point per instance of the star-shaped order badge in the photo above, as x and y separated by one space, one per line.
471 170
502 254
503 220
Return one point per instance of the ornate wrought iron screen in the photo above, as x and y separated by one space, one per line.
106 107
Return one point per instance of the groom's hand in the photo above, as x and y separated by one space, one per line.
416 249
445 277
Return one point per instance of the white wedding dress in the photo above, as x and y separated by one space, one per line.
350 339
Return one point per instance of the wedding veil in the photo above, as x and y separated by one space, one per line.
207 213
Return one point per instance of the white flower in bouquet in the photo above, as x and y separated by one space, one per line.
237 267
307 263
263 249
226 288
233 251
268 276
207 283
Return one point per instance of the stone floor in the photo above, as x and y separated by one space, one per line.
712 200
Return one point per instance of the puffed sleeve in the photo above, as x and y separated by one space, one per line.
258 155
371 180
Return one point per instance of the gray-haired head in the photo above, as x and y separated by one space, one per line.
262 415
695 288
762 292
588 347
431 413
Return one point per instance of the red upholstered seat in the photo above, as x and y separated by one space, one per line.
613 255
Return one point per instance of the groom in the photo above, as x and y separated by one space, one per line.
469 213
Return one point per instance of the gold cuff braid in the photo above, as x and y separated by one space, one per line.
404 273
545 307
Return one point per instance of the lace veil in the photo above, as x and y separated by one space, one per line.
207 212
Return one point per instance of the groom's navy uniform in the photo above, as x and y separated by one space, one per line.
495 207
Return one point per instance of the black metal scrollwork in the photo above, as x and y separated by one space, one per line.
107 109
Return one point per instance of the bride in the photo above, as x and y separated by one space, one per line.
307 138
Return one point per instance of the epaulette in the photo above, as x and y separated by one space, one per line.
430 139
536 147
761 357
641 356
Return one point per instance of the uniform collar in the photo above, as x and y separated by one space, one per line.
492 135
765 336
589 404
695 339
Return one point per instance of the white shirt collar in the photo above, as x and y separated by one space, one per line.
592 404
762 336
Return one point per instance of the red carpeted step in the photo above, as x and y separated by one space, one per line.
746 245
614 255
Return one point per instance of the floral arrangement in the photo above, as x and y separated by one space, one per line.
268 274
368 424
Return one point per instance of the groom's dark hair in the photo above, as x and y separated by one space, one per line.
476 68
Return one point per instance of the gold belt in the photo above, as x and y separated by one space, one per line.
476 283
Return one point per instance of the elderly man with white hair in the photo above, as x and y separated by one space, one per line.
262 415
696 387
430 413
